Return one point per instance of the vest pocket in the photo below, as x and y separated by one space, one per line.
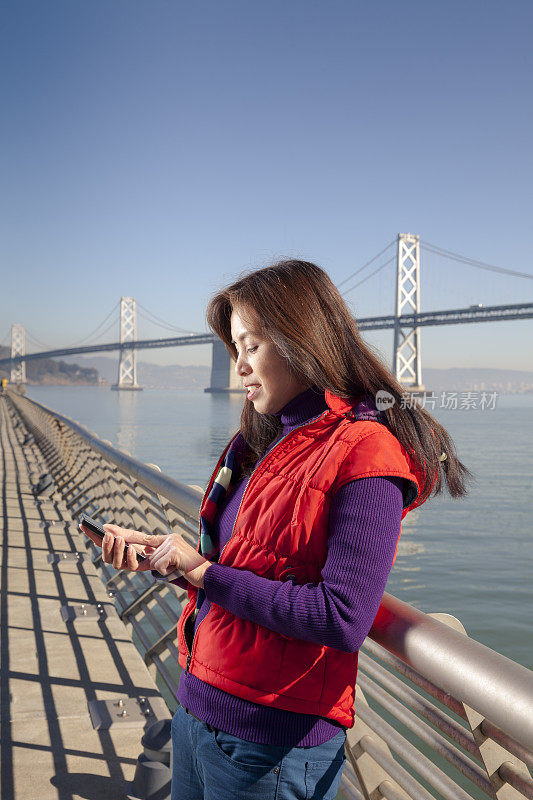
188 629
182 627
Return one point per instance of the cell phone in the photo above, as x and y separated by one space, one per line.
95 527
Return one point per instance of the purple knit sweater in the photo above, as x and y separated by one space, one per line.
364 526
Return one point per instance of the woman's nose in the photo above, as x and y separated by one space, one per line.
241 366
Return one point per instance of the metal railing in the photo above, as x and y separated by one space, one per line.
437 715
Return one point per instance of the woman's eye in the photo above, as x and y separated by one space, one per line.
251 349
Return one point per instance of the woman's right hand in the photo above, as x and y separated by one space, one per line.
114 547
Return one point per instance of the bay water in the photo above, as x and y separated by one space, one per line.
472 558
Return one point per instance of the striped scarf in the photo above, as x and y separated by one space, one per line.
223 480
214 500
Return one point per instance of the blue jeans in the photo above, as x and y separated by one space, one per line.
209 764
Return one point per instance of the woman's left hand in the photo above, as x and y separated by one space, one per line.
174 553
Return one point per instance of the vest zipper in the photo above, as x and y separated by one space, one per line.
309 421
238 510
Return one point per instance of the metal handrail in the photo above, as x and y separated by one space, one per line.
497 687
480 720
184 497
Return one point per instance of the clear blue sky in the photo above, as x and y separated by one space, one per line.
158 148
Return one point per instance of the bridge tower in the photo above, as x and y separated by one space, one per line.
223 375
127 367
407 363
18 348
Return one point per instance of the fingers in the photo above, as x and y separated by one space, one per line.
130 535
162 563
169 556
113 550
116 551
116 530
132 561
162 556
175 553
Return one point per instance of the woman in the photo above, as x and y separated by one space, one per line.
299 530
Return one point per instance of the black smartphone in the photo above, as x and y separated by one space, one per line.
97 528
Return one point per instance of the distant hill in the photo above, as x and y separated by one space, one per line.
52 372
103 369
152 376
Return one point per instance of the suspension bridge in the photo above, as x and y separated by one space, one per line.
406 321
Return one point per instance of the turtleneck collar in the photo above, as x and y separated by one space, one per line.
312 402
305 406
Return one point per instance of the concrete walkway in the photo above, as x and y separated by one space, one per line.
51 669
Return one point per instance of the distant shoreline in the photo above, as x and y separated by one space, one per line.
30 382
175 376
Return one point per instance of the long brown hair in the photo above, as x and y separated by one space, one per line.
302 312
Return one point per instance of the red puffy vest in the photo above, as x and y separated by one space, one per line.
281 532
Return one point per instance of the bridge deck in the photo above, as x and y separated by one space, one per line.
51 669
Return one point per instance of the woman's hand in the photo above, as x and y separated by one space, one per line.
164 553
114 546
174 553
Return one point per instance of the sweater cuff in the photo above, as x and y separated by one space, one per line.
219 583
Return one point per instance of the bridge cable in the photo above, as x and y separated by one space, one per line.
151 317
349 278
102 333
472 262
386 264
170 328
37 341
97 329
161 322
80 341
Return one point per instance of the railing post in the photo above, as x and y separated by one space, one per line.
369 773
491 753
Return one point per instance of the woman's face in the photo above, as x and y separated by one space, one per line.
265 375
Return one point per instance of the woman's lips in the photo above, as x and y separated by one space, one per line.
252 390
